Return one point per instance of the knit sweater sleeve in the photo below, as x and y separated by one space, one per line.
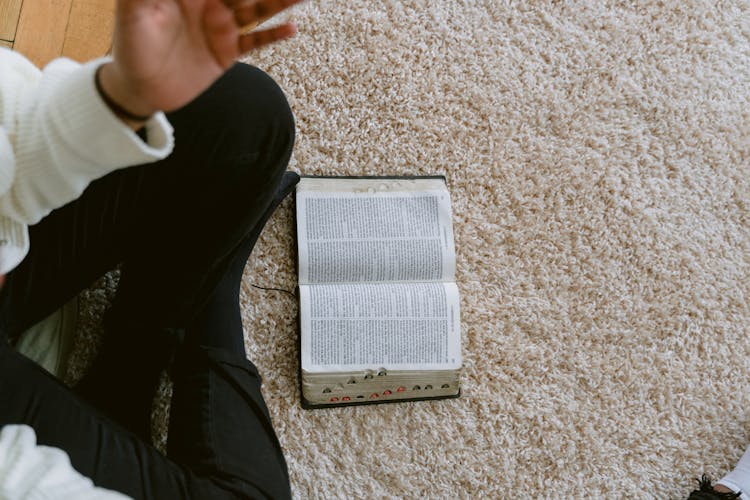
56 136
28 470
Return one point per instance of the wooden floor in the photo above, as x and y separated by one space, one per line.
45 29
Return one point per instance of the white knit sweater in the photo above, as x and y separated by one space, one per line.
56 136
31 472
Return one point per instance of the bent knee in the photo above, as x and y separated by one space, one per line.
243 114
258 101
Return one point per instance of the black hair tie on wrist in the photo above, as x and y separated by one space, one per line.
116 108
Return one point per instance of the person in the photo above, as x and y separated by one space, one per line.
165 160
735 484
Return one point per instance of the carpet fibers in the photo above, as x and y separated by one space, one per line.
598 158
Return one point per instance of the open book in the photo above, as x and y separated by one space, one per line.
379 306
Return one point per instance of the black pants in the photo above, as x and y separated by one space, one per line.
179 228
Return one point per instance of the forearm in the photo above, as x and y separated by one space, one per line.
66 137
129 108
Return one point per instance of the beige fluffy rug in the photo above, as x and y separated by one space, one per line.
598 155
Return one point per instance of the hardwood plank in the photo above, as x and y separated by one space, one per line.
9 12
90 28
41 29
6 43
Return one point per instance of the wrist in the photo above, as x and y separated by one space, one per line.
120 98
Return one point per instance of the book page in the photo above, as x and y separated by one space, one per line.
399 326
374 230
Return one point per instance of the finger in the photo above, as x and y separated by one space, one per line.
260 38
250 27
221 33
257 11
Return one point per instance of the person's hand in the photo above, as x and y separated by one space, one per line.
166 52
